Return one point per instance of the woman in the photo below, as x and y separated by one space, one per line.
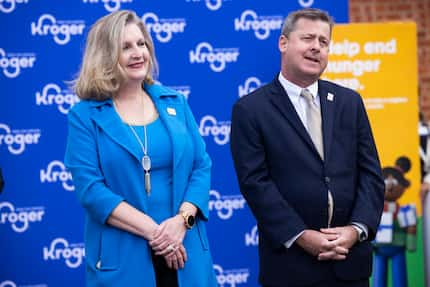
139 166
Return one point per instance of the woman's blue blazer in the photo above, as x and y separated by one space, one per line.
105 161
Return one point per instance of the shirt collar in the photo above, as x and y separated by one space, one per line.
293 90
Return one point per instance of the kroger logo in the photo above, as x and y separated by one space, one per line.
9 283
213 4
251 238
216 57
9 7
53 95
210 4
21 217
262 25
163 28
60 249
219 130
56 172
230 277
11 63
17 139
61 30
226 204
184 90
306 3
250 85
110 5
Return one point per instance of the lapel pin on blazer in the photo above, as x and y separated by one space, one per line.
330 97
171 111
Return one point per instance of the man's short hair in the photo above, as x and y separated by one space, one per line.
307 13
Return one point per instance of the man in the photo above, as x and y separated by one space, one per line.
308 167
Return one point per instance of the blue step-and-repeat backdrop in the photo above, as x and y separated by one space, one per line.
213 51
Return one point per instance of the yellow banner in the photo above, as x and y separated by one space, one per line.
379 60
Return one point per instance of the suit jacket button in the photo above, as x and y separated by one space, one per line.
327 179
99 265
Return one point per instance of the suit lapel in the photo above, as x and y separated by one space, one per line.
108 120
282 102
328 102
171 115
174 127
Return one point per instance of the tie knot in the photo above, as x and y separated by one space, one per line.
307 95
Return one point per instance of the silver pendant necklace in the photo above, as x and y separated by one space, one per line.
146 160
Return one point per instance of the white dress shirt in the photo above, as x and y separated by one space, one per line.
293 91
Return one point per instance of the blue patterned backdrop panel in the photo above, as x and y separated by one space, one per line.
213 52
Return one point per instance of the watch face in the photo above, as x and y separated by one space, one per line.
191 220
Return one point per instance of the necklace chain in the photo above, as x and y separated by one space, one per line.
143 146
146 160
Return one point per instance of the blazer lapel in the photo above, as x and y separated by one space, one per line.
108 120
328 102
174 127
282 102
171 114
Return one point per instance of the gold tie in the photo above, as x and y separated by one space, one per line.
313 122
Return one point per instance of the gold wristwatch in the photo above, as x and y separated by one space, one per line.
189 219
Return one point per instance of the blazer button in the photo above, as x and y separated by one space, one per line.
99 265
327 179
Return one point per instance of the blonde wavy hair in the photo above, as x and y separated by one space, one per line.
101 75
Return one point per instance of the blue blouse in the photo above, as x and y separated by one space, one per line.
160 151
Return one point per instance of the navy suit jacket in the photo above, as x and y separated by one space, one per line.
285 181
